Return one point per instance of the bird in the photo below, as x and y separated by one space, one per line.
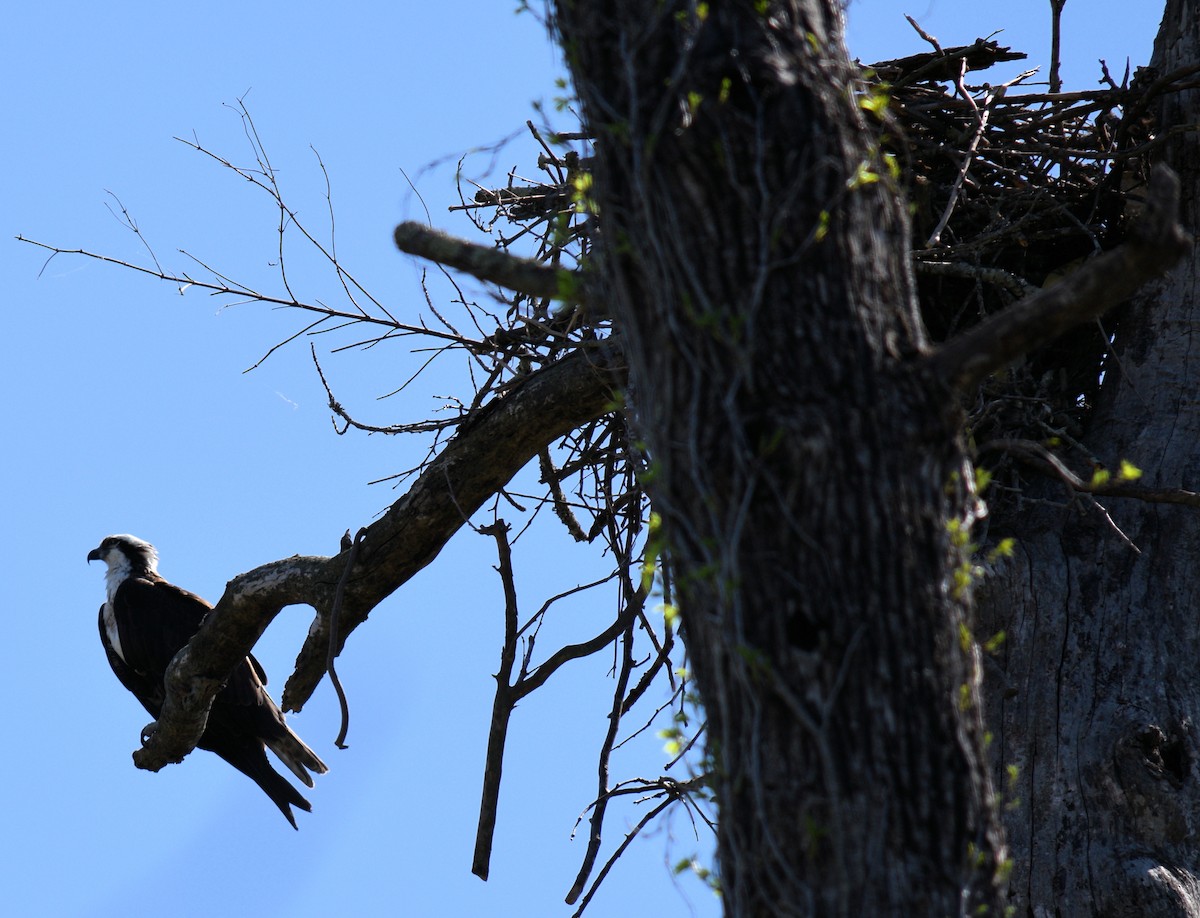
145 621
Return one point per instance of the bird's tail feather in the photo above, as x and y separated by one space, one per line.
251 760
274 785
293 752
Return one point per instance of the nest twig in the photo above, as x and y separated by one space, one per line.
1011 188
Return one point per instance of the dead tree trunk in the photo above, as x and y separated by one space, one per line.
1096 708
806 464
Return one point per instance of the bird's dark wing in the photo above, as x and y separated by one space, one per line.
146 689
258 669
154 621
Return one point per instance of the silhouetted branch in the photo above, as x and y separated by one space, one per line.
533 278
1038 456
233 289
475 464
671 791
625 667
502 706
335 613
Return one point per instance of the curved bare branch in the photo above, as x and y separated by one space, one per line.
478 461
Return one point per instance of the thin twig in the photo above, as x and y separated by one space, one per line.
502 706
334 616
1038 456
614 720
1056 8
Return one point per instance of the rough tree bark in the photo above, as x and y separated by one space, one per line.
807 467
805 449
1096 705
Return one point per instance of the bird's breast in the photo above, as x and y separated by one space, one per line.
111 632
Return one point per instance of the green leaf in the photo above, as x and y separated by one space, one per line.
983 478
864 176
960 537
655 521
649 569
874 102
822 225
1003 549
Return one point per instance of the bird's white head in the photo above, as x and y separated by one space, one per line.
125 556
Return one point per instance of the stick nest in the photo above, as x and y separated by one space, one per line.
1010 190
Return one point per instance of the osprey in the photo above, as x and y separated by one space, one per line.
145 622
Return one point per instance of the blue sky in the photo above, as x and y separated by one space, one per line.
128 411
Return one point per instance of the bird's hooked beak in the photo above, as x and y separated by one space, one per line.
95 555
